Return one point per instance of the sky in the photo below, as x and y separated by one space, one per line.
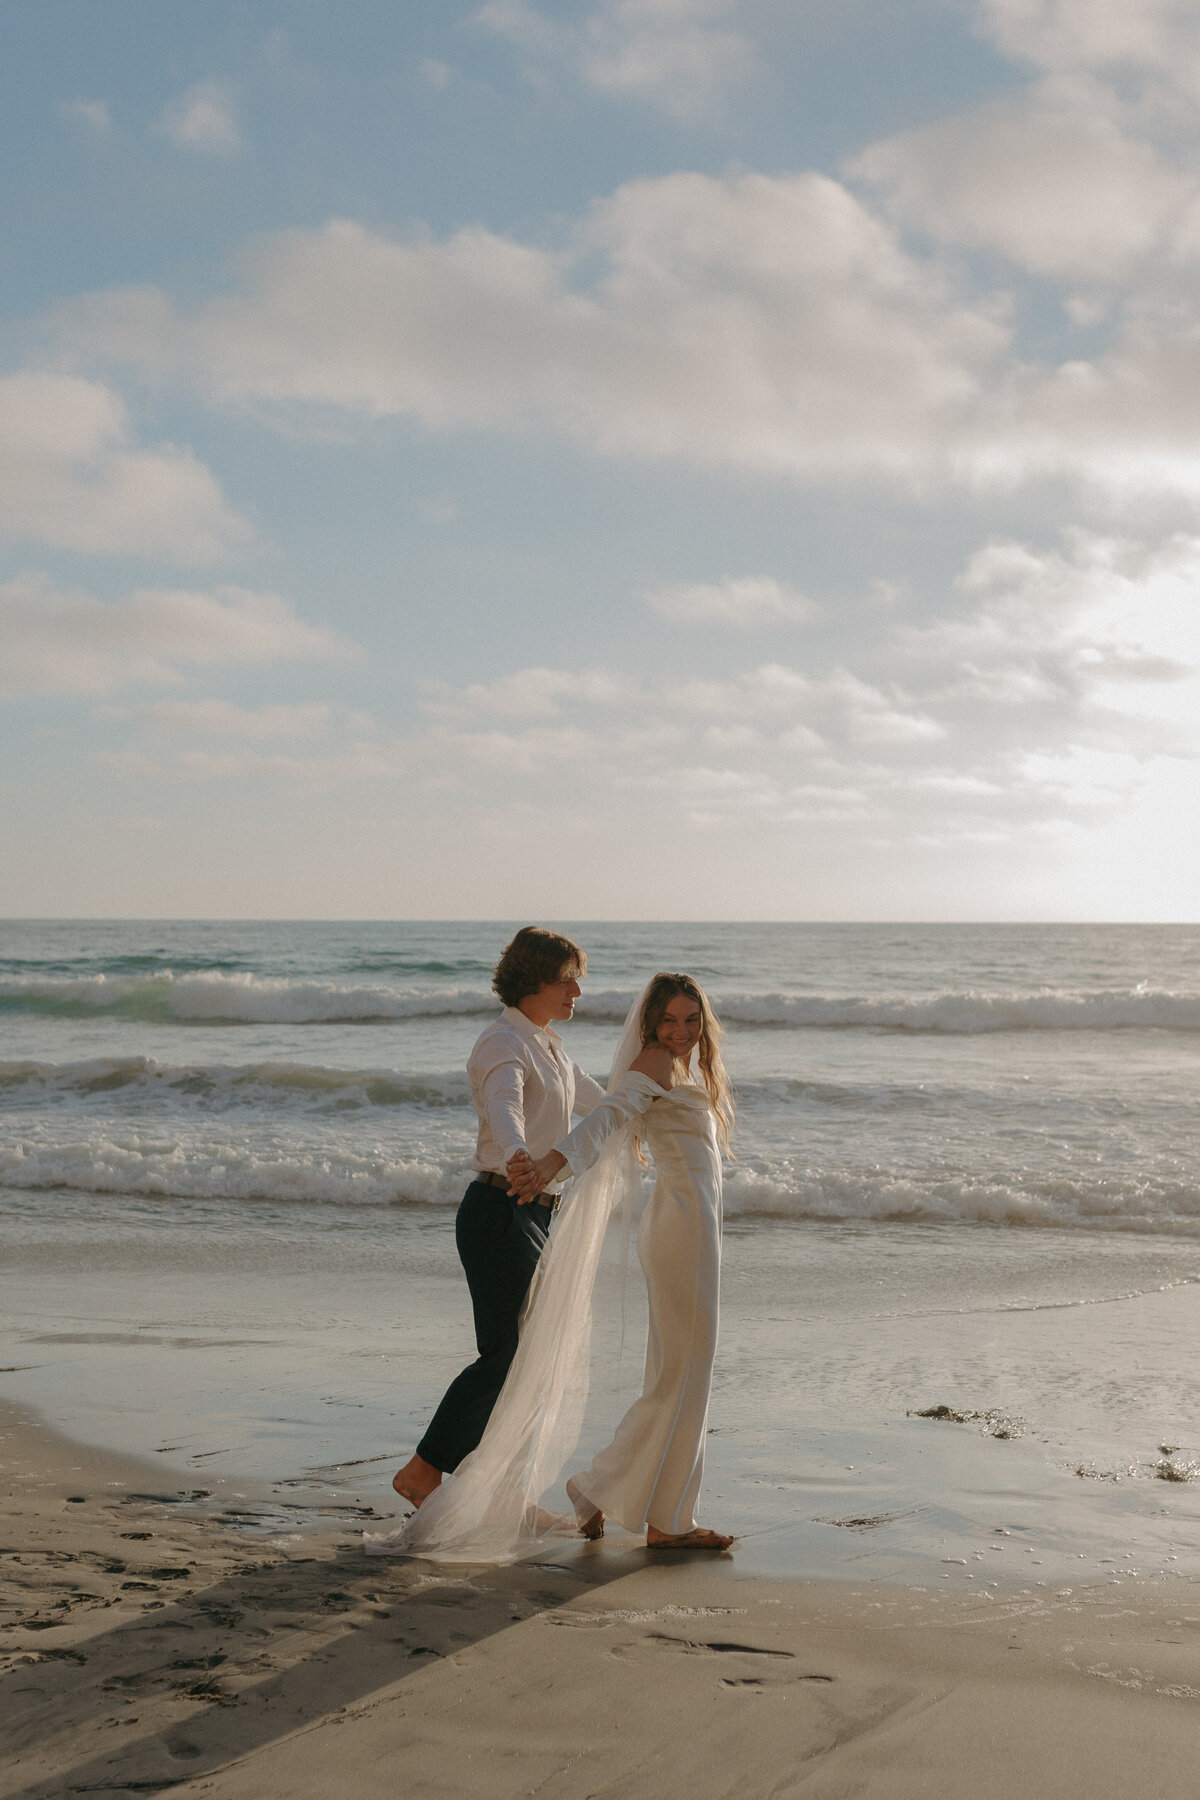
681 459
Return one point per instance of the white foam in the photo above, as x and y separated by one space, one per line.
1096 1203
104 1081
328 1169
253 999
244 999
971 1011
139 1164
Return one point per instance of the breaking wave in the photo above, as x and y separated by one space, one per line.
255 1166
141 1080
216 997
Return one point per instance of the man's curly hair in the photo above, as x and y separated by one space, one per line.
535 956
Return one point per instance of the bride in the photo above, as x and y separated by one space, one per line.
648 1478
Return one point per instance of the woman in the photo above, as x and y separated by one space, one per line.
648 1477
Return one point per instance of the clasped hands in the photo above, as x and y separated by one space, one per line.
527 1178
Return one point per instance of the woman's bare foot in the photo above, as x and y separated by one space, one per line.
416 1480
591 1519
698 1538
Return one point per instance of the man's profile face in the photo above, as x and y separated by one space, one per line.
560 995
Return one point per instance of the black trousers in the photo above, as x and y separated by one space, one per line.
499 1243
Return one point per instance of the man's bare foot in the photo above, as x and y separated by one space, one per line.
416 1480
698 1538
591 1519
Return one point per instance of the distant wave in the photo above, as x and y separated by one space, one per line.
972 1012
156 1165
216 997
219 1086
127 1081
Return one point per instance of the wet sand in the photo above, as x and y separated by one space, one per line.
147 1646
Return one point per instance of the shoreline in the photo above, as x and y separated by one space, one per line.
920 1406
203 1659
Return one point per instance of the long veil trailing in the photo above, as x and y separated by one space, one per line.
488 1511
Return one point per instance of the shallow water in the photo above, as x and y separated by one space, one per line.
293 1354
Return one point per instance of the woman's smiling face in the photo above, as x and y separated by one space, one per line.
679 1028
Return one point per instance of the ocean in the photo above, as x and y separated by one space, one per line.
966 1173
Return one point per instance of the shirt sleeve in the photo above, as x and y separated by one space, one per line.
588 1093
632 1096
502 1096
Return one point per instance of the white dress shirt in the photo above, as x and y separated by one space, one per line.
525 1088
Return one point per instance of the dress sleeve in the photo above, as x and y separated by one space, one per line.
502 1097
633 1095
588 1092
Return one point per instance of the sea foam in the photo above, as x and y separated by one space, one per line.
220 998
253 1167
217 1086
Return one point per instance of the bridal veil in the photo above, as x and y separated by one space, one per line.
488 1510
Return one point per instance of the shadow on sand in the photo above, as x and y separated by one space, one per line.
184 1690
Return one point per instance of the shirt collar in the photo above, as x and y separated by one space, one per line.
527 1028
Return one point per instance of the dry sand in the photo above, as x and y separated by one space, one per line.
147 1648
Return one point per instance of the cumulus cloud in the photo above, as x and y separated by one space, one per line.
70 476
736 600
681 56
757 322
1156 37
66 641
765 324
1053 180
203 119
1088 175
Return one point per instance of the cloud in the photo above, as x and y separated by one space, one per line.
69 476
737 600
65 641
223 719
203 119
756 323
1099 640
1088 175
1050 179
1057 690
94 114
1058 686
681 56
1156 37
759 324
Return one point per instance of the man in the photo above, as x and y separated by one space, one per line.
525 1088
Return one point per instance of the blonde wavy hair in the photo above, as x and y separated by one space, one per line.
662 990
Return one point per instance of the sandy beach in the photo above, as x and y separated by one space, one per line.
148 1647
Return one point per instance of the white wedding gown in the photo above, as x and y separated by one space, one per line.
651 1472
487 1511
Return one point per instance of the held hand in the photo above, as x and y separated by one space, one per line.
522 1181
529 1177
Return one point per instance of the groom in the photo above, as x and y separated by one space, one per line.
525 1088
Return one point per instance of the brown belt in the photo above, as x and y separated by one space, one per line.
489 1178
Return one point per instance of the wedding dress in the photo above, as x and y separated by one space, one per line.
488 1510
651 1472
